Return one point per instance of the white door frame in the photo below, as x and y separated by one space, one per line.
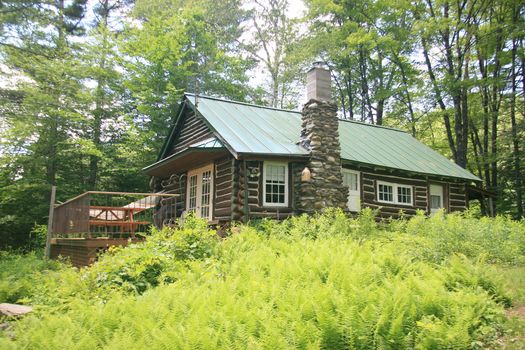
354 193
436 189
198 206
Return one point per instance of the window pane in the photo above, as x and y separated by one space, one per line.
385 193
193 193
275 183
404 195
435 202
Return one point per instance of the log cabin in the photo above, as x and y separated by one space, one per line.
233 161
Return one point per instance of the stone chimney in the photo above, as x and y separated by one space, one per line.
324 187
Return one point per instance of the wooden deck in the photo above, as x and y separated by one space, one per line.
84 251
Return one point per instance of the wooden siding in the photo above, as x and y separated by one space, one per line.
248 193
192 130
457 197
386 210
84 252
223 189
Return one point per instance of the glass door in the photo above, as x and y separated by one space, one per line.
199 192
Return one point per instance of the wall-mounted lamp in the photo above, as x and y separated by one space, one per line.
306 175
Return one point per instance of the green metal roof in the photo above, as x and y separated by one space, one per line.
252 129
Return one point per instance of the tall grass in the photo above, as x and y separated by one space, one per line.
325 282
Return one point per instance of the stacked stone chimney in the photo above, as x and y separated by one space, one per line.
320 135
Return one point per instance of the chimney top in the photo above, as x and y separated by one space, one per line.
318 83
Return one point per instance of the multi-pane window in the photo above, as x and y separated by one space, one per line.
275 177
385 192
205 193
404 194
394 193
192 198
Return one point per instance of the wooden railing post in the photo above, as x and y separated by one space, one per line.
50 221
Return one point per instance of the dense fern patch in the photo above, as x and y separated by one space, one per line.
326 282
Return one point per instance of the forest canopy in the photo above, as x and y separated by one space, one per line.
89 88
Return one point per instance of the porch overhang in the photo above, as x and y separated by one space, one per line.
474 192
186 159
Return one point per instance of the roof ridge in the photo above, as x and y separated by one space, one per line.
242 103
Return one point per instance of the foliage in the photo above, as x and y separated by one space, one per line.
307 282
45 284
158 260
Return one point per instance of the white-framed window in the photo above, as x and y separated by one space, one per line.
275 184
388 192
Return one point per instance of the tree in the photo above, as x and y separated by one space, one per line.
272 35
366 44
38 47
181 46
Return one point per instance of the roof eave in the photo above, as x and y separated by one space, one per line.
375 166
180 154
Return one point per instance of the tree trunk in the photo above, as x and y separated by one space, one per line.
515 137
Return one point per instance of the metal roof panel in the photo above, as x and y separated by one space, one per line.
252 129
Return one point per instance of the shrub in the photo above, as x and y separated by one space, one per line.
159 259
46 284
326 281
266 292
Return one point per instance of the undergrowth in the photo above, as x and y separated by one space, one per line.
323 282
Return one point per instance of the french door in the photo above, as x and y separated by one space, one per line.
199 192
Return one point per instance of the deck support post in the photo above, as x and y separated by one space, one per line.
50 221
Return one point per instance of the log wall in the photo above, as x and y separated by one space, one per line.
457 197
192 130
454 194
386 210
248 193
223 189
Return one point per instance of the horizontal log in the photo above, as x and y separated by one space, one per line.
389 206
368 182
222 212
369 197
456 203
457 197
227 191
270 210
262 215
224 200
394 179
368 188
223 185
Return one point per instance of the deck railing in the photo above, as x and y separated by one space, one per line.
97 214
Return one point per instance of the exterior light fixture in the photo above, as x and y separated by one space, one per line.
306 175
